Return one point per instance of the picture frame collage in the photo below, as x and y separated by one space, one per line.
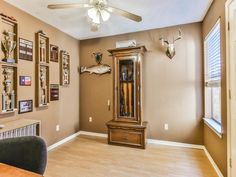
26 53
16 48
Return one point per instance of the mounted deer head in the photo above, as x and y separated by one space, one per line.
170 45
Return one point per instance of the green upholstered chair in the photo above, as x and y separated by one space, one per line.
29 153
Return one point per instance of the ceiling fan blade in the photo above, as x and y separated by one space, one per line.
124 14
63 6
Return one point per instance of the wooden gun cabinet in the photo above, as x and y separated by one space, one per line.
127 126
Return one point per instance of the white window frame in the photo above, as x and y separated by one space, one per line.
208 118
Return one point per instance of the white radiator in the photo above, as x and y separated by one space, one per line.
29 130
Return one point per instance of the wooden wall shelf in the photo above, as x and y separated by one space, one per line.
42 70
8 65
8 25
64 68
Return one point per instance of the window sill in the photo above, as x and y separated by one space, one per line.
214 126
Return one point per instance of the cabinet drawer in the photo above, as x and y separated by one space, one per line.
129 137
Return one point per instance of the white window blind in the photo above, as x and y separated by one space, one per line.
213 55
212 46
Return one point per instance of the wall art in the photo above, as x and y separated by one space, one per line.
96 69
42 69
65 68
25 81
25 49
54 53
8 64
54 92
25 106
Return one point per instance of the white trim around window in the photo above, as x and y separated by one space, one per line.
212 79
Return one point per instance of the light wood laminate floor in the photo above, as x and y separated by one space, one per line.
92 157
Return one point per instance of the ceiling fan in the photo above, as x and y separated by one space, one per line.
98 10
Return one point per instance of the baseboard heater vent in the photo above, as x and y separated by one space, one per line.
19 128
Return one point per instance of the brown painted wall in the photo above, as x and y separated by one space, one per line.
172 88
64 112
218 147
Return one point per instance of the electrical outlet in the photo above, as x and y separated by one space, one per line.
58 128
90 119
166 126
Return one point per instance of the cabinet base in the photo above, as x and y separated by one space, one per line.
127 134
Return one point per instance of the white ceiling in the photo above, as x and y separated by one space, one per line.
155 14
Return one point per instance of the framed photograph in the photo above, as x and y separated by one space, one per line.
25 106
25 50
54 92
25 81
54 53
64 68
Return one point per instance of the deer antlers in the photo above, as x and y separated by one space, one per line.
166 41
170 47
179 37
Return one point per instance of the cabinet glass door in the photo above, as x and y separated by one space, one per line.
126 88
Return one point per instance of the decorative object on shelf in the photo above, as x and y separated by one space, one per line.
25 106
65 68
8 65
42 69
127 126
9 45
25 49
54 92
9 40
43 86
96 69
170 45
123 44
42 46
25 81
8 94
54 53
98 10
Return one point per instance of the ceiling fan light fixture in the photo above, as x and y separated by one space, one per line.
98 11
94 26
96 20
93 13
105 15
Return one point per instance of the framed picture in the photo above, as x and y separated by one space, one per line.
25 50
64 68
25 106
25 81
54 53
54 92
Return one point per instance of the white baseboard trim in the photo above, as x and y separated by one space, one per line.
63 141
213 162
176 144
149 141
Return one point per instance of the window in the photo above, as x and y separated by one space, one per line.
213 74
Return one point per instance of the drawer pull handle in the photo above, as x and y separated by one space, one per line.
124 138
